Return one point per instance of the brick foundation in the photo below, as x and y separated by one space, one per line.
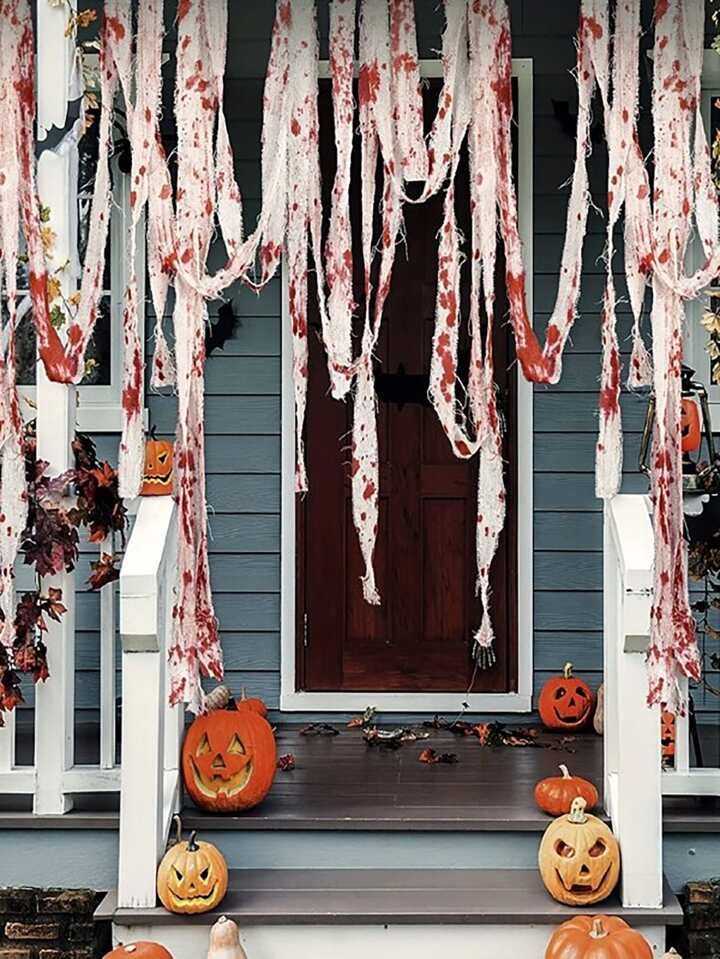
50 924
700 936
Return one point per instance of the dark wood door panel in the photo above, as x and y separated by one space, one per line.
421 638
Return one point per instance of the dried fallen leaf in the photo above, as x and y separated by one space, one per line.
431 758
286 763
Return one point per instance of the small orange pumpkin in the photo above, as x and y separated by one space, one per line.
690 431
192 877
229 758
566 702
139 950
667 735
158 474
555 794
255 705
599 937
579 858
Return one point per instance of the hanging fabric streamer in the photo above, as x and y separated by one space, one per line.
475 111
17 77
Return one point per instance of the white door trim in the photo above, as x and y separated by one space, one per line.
292 699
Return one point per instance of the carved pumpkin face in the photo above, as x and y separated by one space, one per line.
139 950
229 759
157 479
566 702
599 937
579 858
192 877
690 432
667 735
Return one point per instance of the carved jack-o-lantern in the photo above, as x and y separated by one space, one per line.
667 736
229 759
158 475
565 702
579 858
690 431
192 877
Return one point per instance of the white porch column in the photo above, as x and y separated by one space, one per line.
56 407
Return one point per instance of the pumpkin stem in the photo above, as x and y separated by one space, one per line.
598 930
577 812
192 844
567 670
565 771
177 822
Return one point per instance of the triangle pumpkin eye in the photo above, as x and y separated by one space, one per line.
235 747
203 746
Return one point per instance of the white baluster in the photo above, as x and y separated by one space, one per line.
55 699
107 667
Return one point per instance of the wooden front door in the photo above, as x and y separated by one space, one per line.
421 638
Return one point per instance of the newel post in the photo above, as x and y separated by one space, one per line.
146 572
632 729
56 404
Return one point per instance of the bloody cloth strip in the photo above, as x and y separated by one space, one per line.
17 171
475 108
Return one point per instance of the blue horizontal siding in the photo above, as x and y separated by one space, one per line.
244 390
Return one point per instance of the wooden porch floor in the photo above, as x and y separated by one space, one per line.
341 783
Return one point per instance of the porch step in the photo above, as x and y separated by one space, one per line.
429 896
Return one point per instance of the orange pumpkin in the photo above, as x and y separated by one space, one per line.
579 858
158 475
555 794
690 431
566 702
599 937
229 759
667 735
255 705
139 950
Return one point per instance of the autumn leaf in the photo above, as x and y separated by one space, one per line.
286 763
104 571
53 288
431 758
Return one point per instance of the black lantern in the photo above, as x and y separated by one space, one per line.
698 476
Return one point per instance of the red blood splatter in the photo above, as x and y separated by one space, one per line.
117 27
368 83
661 8
591 24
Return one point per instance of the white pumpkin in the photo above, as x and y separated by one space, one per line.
225 940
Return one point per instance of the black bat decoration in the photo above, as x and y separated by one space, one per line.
568 122
56 135
223 329
402 387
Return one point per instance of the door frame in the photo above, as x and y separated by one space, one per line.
294 700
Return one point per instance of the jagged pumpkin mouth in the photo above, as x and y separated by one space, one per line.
219 784
582 888
197 900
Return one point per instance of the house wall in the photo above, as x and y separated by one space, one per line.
244 388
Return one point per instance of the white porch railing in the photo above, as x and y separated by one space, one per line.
151 729
54 777
634 780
